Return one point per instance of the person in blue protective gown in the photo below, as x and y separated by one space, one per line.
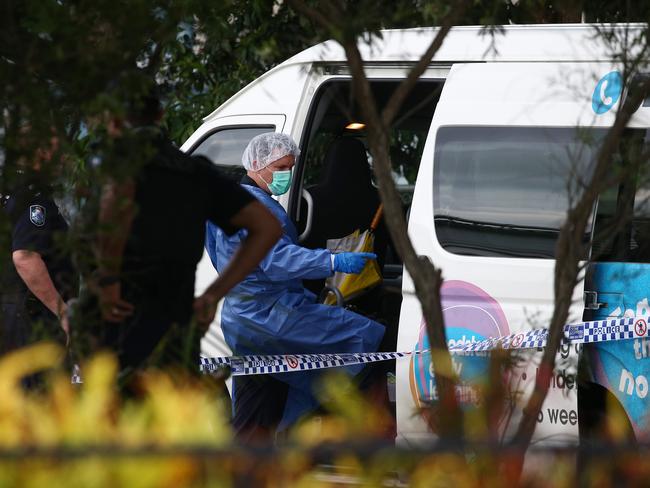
270 312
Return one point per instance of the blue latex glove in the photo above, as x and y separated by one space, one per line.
352 262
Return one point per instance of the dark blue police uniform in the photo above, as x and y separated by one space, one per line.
35 225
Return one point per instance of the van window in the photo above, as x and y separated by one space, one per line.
505 191
622 225
225 147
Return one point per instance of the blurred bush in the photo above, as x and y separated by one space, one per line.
175 432
43 434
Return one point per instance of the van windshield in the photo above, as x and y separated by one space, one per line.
505 191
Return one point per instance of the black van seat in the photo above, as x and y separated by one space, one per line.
345 200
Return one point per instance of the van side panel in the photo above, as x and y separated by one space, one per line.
277 91
487 293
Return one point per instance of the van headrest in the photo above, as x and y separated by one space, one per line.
346 164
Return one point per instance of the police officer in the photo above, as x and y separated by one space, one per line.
36 277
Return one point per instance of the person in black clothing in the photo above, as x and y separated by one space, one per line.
37 274
152 230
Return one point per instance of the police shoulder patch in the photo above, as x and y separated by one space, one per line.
37 215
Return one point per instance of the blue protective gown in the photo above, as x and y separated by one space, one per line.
270 312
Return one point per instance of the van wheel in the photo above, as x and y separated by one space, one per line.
601 417
602 421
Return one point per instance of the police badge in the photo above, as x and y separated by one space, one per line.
37 215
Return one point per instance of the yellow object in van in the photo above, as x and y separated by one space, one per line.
352 285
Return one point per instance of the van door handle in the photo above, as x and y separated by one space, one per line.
310 215
591 301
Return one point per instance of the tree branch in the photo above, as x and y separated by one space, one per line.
399 95
426 278
314 15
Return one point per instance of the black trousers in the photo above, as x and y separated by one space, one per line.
15 326
24 320
151 335
258 406
259 400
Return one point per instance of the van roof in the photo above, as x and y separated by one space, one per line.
511 43
523 43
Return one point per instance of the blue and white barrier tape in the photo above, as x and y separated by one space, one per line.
579 333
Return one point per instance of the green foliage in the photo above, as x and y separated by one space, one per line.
73 60
220 50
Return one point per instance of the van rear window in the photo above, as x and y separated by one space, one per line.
505 191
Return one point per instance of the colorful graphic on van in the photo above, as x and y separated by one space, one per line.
470 315
607 92
623 367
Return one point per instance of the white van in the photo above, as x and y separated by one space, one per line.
483 151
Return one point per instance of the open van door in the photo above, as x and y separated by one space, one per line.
223 140
505 154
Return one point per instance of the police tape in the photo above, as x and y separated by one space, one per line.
579 333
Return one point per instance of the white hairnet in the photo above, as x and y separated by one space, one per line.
267 148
